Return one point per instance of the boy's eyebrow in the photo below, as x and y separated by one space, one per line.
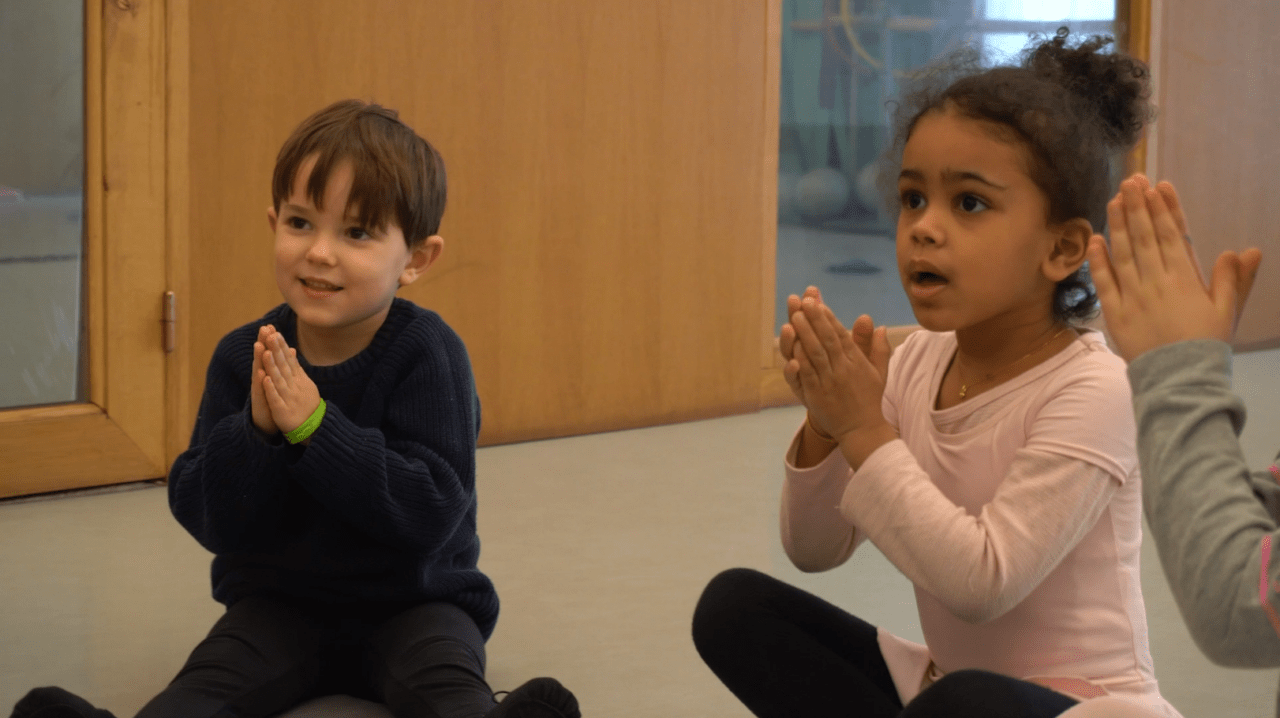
950 176
296 209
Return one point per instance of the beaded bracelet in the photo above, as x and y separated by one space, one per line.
308 427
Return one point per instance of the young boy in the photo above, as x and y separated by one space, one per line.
332 466
1216 524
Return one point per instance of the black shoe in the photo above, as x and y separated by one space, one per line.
53 702
538 698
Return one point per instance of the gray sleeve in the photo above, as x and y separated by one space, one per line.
1214 522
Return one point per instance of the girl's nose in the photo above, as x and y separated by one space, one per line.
927 228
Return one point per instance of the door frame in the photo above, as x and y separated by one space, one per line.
118 433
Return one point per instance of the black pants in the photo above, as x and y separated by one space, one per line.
266 655
785 652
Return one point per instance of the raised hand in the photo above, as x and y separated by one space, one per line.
257 397
1150 286
290 393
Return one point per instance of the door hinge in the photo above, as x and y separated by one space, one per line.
169 323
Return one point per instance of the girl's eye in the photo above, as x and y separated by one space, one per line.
970 203
912 200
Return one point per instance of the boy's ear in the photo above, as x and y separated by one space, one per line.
420 258
271 218
1069 249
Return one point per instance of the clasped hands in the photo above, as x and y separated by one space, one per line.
1150 284
838 374
281 396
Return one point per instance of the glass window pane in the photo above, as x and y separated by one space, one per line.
41 200
1049 10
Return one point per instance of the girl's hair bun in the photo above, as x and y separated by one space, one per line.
1115 85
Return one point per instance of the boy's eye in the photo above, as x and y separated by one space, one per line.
296 223
358 233
970 203
912 199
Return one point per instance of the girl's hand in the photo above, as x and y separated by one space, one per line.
290 393
260 410
840 377
1150 287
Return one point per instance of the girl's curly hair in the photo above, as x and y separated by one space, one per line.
1075 107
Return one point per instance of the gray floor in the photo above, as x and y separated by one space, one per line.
599 546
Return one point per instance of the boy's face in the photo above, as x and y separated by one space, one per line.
339 277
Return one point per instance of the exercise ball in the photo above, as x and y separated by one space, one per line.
787 195
866 189
822 193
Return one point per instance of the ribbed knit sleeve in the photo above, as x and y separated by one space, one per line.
410 482
227 488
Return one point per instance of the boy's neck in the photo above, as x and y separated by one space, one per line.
327 346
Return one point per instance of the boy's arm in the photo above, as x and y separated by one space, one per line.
227 488
411 482
1214 523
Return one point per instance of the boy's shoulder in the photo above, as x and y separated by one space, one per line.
418 327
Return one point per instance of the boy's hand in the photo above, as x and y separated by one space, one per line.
840 376
1150 287
257 396
290 393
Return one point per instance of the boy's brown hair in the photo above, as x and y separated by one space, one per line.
397 175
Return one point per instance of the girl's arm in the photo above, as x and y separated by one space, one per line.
815 534
227 489
409 483
1214 523
1057 485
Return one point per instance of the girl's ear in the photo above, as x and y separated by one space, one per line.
420 258
1069 249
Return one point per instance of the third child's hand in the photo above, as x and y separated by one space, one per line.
1150 287
257 397
290 393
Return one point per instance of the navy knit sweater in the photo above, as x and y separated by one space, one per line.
379 507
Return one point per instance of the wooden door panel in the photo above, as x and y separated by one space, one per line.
607 164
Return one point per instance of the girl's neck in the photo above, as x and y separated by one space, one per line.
992 353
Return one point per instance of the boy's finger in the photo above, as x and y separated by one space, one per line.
1225 288
1122 262
1141 233
1250 260
1171 200
1100 271
1170 241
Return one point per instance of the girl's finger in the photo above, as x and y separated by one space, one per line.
1171 200
786 340
808 347
821 319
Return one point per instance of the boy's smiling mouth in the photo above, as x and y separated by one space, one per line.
319 285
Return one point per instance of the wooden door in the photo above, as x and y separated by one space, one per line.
608 238
118 434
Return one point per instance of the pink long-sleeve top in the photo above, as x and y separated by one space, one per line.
1016 514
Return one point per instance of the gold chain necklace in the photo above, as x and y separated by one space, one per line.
964 388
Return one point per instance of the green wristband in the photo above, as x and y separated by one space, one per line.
308 427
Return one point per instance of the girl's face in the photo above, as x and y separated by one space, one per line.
973 241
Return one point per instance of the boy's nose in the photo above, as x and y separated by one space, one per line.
321 250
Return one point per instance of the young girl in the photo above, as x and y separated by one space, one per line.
1011 499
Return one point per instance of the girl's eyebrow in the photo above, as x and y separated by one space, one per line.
950 176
